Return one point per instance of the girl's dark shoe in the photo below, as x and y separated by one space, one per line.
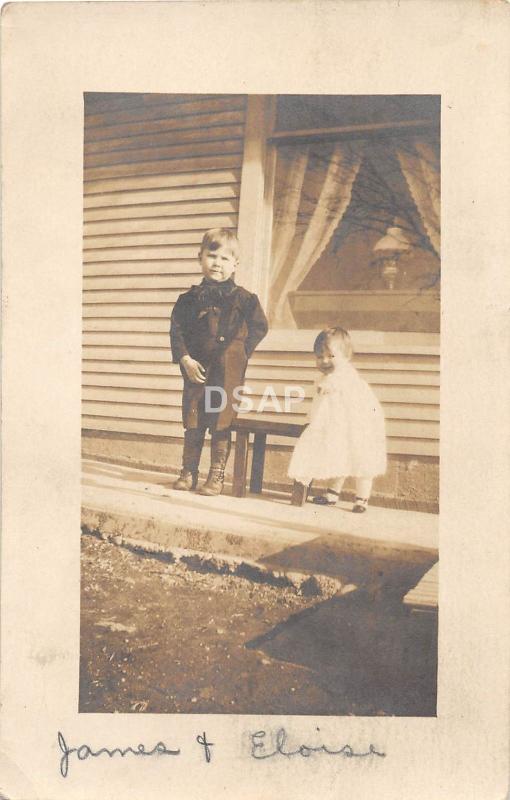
360 505
329 499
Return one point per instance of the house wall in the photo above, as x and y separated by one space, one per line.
159 171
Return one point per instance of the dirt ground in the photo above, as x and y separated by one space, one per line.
158 637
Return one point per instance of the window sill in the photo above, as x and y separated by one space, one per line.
301 340
386 310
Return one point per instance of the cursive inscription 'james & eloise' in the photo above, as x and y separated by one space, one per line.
277 746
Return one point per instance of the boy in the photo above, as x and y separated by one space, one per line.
215 327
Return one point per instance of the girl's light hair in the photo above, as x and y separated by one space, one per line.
337 334
218 237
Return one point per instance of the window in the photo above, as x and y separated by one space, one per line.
356 218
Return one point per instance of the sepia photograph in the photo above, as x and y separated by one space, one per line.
254 256
260 404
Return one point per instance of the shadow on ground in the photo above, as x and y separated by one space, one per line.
161 638
381 569
378 655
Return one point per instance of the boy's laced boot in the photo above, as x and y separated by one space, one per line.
220 451
193 443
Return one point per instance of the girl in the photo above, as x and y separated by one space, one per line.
346 431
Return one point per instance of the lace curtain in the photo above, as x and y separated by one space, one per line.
310 201
313 192
419 162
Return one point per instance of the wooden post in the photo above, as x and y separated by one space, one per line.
299 494
257 464
255 201
240 464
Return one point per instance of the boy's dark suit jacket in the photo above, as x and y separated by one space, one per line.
222 340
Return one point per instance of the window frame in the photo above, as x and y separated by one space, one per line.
258 179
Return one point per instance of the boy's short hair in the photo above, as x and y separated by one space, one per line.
337 334
218 237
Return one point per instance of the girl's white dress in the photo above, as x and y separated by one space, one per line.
346 435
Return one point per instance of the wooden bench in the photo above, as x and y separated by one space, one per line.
260 429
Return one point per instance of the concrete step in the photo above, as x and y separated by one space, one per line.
424 596
376 548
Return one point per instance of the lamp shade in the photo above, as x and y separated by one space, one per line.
393 240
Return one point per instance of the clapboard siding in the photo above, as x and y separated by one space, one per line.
139 209
130 403
163 280
118 386
179 137
163 182
134 239
152 252
159 171
126 310
170 108
157 152
160 166
405 446
102 136
167 220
